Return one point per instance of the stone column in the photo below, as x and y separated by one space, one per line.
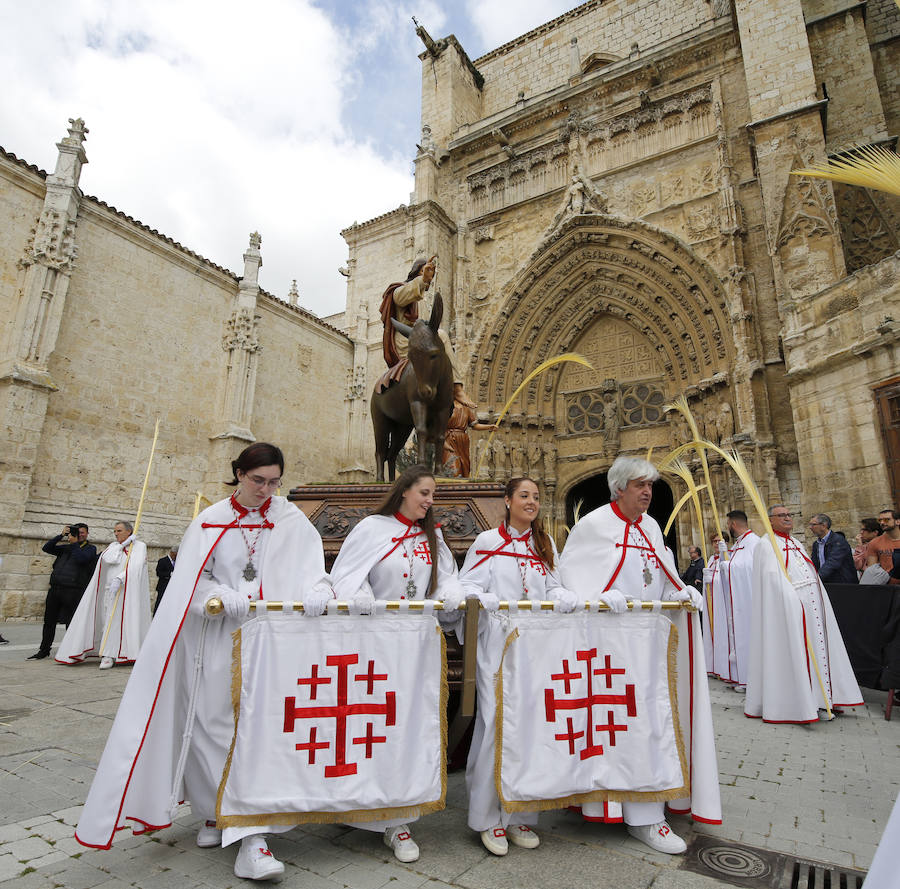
240 341
357 464
45 269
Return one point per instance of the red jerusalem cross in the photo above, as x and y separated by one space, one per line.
553 704
340 713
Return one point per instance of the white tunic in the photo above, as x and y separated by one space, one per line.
729 619
505 564
116 613
606 551
390 556
137 778
386 554
783 683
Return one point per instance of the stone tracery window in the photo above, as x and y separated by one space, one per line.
584 411
642 403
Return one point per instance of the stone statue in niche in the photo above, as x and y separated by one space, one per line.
725 422
611 422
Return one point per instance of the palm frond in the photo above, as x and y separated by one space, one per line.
869 166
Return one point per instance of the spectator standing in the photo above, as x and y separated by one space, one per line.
75 560
881 549
869 529
831 554
693 575
164 568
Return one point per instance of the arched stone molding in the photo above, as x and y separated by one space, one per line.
596 265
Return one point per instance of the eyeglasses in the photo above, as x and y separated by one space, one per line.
260 482
781 515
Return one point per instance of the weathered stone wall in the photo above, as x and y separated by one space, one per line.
543 59
849 343
141 336
843 66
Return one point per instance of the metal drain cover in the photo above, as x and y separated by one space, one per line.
738 865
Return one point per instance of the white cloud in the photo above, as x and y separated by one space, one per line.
499 21
208 120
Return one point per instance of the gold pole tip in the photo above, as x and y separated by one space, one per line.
214 606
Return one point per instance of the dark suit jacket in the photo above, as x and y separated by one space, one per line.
693 576
164 569
838 565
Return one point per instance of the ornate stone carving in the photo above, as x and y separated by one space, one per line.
338 520
242 331
642 404
52 242
356 383
868 225
457 521
610 144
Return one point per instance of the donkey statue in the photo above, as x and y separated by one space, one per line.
421 399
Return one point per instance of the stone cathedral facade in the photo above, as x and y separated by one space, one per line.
615 182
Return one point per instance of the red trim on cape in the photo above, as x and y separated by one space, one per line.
155 701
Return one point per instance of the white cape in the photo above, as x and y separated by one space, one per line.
782 683
728 647
592 563
121 620
135 779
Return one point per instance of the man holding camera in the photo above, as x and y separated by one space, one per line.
75 560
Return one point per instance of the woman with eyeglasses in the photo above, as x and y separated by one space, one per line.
516 561
176 716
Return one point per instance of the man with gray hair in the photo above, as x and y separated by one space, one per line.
616 553
114 614
831 554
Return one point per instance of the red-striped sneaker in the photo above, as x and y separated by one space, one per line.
400 840
660 837
255 862
494 840
522 835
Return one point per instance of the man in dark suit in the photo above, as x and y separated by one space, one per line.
693 575
164 568
74 565
831 554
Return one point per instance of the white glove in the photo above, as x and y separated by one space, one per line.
489 601
127 541
616 601
236 605
363 602
113 584
686 594
708 575
565 601
452 597
316 600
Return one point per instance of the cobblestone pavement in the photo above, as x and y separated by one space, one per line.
822 792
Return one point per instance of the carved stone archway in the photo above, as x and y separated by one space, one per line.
598 265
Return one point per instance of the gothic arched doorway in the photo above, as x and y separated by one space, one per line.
594 491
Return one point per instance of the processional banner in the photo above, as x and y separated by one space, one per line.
337 718
588 709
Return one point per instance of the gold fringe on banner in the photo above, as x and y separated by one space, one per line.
351 815
596 796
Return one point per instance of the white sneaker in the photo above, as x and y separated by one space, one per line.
255 862
400 840
660 837
494 840
209 836
106 663
522 835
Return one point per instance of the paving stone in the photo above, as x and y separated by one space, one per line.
10 866
11 832
30 847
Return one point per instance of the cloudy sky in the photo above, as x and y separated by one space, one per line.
210 119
